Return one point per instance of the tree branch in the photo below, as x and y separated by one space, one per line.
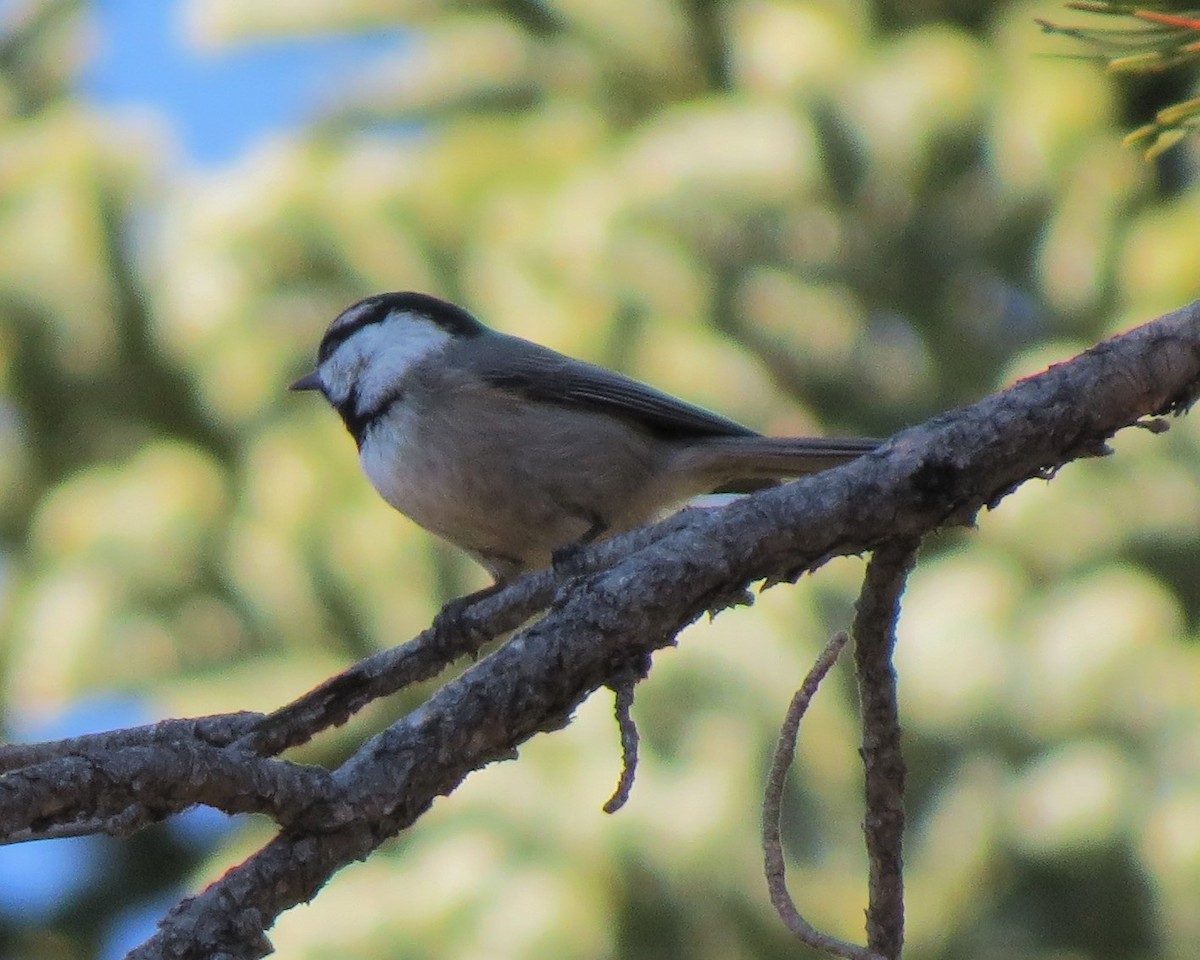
941 472
111 785
218 730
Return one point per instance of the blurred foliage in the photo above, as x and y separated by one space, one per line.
1158 40
835 215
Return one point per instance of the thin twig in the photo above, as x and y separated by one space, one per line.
426 655
773 861
874 641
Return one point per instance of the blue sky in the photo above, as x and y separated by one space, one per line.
217 101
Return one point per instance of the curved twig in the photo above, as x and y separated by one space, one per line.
774 864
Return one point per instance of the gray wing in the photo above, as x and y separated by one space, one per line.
539 373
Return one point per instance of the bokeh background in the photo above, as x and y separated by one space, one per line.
829 216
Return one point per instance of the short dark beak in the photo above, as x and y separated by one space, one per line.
310 381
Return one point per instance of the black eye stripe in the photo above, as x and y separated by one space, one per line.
335 338
339 333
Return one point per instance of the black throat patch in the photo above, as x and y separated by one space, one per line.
358 422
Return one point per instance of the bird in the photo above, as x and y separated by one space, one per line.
518 454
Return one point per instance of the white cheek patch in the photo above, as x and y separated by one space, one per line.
376 358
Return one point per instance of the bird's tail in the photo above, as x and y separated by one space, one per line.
745 464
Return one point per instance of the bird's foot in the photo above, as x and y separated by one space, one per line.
454 630
567 560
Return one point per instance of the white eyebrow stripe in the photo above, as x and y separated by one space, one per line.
350 317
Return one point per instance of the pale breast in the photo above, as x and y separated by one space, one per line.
503 477
406 472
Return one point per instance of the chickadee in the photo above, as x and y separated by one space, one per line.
512 451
